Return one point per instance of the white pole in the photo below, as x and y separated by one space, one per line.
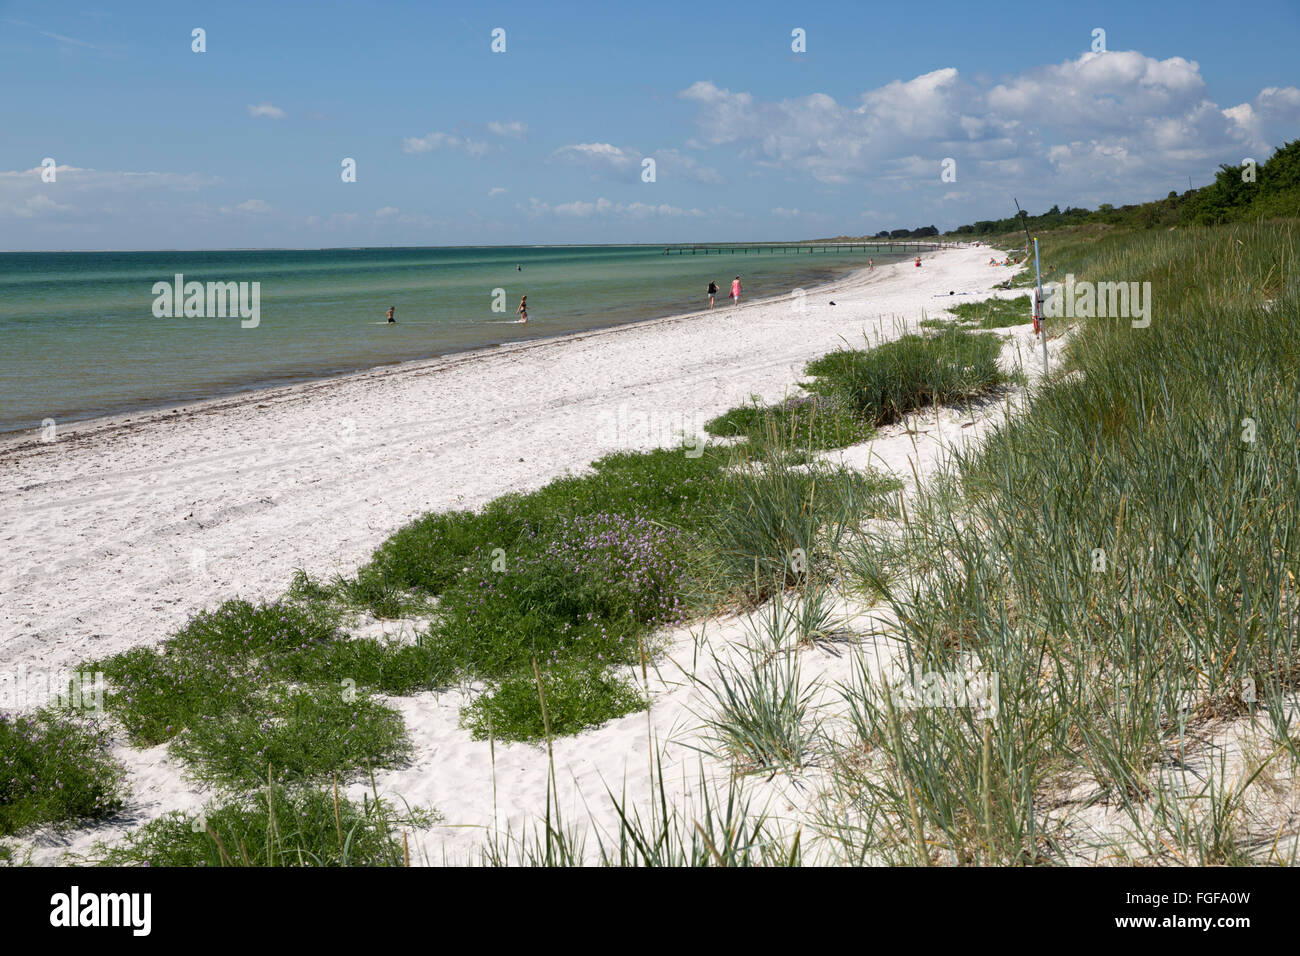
1038 306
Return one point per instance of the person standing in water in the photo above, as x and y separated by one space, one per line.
391 320
523 310
713 291
735 290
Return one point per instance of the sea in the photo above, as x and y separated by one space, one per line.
87 334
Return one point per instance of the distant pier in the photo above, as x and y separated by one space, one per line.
881 246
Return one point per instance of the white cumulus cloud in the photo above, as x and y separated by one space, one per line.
266 111
435 141
511 130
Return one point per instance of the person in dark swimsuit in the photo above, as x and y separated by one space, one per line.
391 320
713 290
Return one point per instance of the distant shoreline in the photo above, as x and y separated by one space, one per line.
320 301
15 437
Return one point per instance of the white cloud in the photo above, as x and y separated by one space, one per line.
626 163
73 41
436 141
38 205
496 191
511 130
783 213
266 110
1122 121
605 208
393 214
674 164
80 192
254 205
599 154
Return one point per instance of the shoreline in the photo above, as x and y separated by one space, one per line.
122 528
103 531
158 410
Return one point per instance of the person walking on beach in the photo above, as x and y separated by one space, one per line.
735 290
391 320
713 291
871 263
522 311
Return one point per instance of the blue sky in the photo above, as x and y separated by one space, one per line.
157 146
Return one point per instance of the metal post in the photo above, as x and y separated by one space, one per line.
1038 306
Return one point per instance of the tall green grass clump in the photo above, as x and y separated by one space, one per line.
273 827
993 313
778 524
1123 557
724 831
884 383
803 422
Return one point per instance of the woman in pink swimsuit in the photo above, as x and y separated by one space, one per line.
735 290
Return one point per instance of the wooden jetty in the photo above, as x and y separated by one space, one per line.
881 246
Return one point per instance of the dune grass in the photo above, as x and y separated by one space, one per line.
1123 558
723 830
55 769
272 827
804 422
993 313
884 383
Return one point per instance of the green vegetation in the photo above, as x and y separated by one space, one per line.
779 525
1230 198
578 695
577 575
885 383
1123 560
805 423
723 831
55 769
250 686
993 313
273 827
299 735
760 715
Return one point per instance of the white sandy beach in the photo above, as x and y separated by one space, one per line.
119 530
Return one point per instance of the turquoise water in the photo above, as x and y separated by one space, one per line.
80 338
